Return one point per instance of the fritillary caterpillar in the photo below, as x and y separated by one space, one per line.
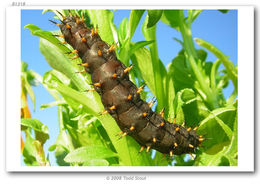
120 97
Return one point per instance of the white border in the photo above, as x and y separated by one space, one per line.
245 87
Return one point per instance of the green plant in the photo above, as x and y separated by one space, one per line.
36 133
190 89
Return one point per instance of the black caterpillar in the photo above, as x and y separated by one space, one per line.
120 97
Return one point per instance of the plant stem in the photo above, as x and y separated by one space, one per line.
150 35
211 99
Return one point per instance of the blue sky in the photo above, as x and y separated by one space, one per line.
211 25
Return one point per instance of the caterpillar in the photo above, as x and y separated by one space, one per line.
120 96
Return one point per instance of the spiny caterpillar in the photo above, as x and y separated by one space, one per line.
120 97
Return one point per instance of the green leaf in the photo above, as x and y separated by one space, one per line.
123 31
142 60
60 154
185 96
182 76
139 44
46 35
30 92
96 162
205 70
134 20
73 97
61 63
88 132
24 66
32 27
58 16
52 147
29 152
33 152
103 19
171 18
218 126
170 94
223 11
54 55
87 153
41 130
28 80
231 70
52 104
213 74
222 154
124 54
153 17
63 144
193 14
213 157
202 54
225 127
